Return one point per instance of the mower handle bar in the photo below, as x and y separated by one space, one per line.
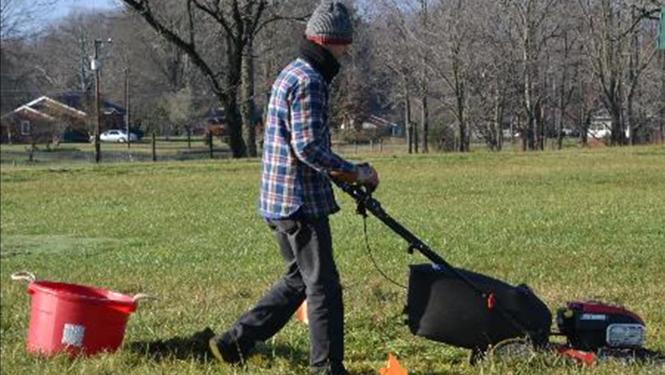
365 200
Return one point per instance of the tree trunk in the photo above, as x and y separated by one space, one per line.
540 122
463 136
631 120
248 105
415 138
425 124
633 64
230 101
584 132
617 137
562 110
498 119
529 132
424 114
407 120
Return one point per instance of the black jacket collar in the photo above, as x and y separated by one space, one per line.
320 59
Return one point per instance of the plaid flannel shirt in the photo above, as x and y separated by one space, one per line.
296 147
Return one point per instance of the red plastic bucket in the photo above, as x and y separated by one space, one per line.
75 319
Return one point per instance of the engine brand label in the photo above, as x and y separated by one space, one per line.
593 317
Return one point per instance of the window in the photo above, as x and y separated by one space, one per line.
26 129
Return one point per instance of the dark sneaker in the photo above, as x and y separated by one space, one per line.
329 370
229 350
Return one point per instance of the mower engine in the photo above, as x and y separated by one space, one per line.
592 326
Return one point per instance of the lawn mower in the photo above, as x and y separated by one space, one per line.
492 318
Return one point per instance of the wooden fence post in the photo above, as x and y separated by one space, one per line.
31 151
154 147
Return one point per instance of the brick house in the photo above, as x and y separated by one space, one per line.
63 117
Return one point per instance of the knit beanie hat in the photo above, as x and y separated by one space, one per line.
330 24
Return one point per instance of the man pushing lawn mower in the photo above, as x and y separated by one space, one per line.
296 199
444 303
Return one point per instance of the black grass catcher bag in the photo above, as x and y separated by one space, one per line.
444 308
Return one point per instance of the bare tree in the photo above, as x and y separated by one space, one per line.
225 81
18 24
611 29
449 58
532 28
452 69
402 65
20 17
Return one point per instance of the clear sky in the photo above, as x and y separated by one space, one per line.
64 7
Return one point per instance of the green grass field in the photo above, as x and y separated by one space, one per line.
577 224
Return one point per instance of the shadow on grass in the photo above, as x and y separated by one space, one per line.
292 354
195 347
190 347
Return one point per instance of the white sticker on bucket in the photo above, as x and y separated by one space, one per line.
73 334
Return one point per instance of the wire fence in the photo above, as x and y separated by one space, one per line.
148 149
158 149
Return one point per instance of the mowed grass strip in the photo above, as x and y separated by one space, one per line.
577 224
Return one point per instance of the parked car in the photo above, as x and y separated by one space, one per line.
117 135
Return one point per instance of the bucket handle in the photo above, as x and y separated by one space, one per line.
142 296
23 276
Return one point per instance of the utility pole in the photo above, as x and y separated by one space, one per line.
96 66
129 138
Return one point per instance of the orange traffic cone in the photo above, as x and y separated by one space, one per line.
301 313
393 367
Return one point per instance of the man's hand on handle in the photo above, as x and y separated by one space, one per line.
364 175
367 176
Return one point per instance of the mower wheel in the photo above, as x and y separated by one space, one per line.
515 349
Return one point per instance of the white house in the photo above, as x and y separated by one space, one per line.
376 125
601 126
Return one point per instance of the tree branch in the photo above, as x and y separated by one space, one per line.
142 7
216 14
278 17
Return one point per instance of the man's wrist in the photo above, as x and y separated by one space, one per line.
345 176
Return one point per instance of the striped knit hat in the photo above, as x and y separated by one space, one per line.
330 24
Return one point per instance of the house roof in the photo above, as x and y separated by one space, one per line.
50 101
32 111
71 102
380 122
76 99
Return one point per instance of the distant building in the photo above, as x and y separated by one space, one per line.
601 126
214 121
374 126
63 117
